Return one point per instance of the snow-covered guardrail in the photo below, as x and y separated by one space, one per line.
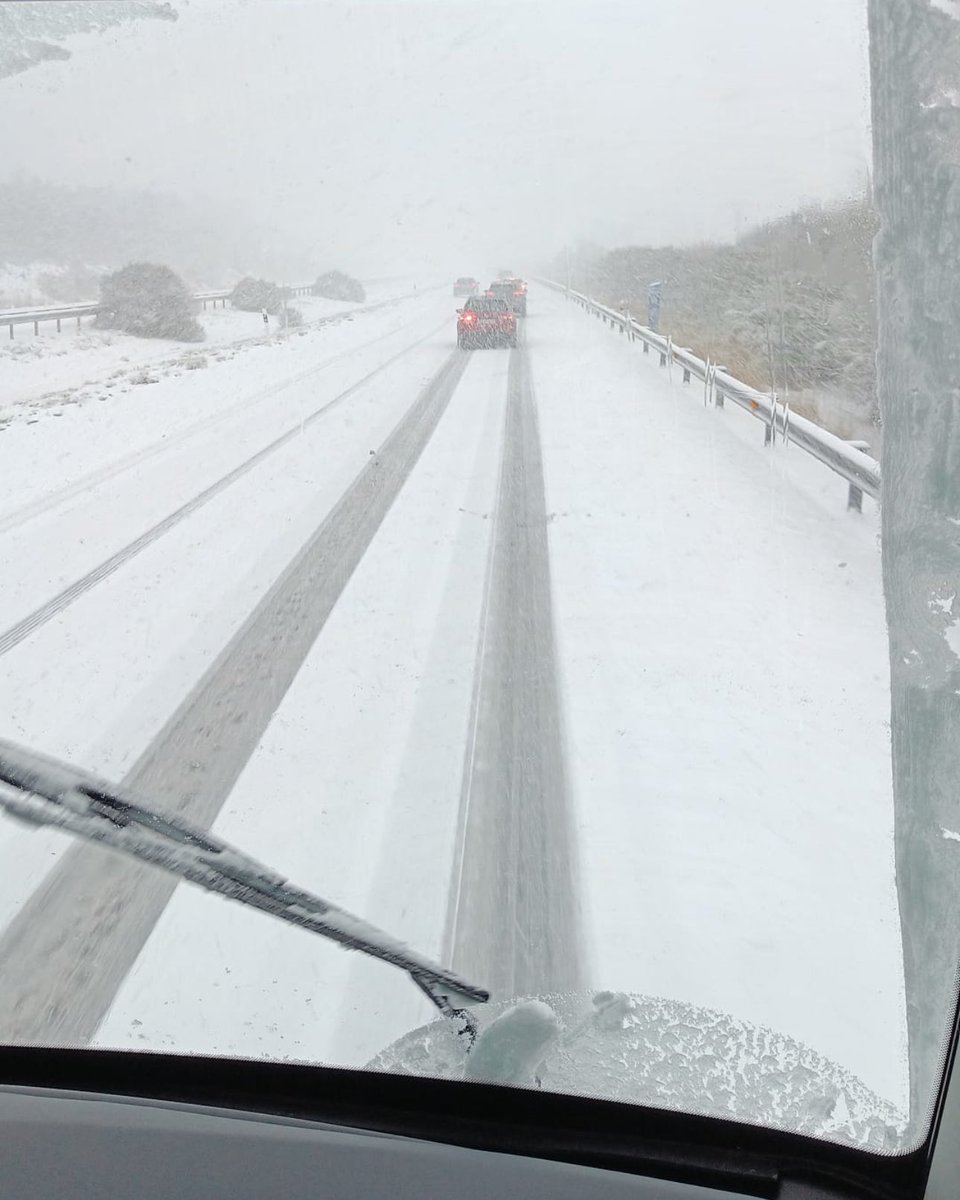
848 459
12 317
33 316
221 298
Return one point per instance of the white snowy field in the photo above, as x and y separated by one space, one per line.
55 370
721 648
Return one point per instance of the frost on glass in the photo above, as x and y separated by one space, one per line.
656 1052
34 33
915 61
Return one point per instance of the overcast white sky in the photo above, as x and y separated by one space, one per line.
459 135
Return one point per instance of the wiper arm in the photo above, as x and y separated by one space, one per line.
42 791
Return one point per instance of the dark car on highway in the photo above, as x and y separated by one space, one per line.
486 321
513 291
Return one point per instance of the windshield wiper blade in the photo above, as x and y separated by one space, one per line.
42 791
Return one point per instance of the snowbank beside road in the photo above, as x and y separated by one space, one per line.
51 369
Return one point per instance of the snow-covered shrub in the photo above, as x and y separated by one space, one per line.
335 285
252 295
148 300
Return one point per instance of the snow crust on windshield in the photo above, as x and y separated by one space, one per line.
663 1053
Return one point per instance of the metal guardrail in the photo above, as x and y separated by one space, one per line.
849 460
12 317
33 316
221 298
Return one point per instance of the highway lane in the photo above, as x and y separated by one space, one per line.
514 919
64 956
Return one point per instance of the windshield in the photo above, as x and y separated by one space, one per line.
587 655
485 304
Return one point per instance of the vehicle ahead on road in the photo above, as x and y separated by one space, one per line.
519 295
513 291
486 321
466 285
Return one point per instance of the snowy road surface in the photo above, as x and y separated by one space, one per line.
525 656
522 935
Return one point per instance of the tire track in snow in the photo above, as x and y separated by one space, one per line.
42 504
56 604
67 951
514 921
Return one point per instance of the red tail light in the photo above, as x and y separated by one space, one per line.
469 318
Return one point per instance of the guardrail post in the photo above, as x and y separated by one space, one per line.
686 374
663 358
36 327
769 427
855 494
78 322
58 324
718 398
646 346
11 329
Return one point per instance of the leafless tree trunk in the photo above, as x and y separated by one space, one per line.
915 66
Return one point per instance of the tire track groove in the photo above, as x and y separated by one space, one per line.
56 604
64 956
50 500
514 919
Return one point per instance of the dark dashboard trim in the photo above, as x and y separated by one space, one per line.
658 1143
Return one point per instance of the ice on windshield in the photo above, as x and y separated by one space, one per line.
566 660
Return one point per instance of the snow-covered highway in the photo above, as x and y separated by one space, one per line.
525 656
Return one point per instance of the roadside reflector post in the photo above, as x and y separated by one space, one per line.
11 329
58 324
36 327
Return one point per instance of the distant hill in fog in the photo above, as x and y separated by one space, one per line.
105 228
